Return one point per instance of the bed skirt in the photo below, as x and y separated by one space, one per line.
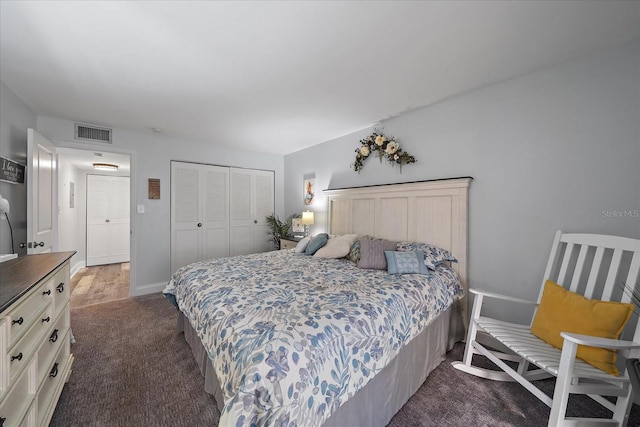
377 402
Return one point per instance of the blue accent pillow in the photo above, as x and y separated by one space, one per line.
405 262
316 243
433 255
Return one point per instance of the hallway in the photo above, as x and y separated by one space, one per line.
102 283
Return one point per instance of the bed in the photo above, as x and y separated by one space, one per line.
288 339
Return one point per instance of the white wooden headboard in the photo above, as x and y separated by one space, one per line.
432 212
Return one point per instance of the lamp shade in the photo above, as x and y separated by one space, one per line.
307 218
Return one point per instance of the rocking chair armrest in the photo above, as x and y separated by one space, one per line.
501 296
599 342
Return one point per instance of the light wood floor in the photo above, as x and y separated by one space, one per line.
102 283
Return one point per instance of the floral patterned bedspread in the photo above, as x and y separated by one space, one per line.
292 337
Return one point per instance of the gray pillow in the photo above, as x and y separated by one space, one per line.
316 243
372 253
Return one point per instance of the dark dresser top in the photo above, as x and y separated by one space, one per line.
19 275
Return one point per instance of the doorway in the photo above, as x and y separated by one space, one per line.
100 283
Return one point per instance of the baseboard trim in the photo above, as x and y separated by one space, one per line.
77 267
148 289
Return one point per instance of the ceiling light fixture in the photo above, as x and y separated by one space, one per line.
105 166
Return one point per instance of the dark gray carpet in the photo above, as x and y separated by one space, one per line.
133 369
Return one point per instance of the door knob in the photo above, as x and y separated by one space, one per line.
107 220
255 221
36 244
199 224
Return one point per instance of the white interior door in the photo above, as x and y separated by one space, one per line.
107 219
41 193
119 219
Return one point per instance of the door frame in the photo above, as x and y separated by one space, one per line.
92 147
34 141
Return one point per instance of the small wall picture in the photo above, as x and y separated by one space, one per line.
309 190
296 225
154 188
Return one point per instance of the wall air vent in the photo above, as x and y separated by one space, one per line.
93 133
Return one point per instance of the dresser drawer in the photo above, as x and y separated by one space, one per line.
20 354
61 288
16 403
56 374
51 345
27 312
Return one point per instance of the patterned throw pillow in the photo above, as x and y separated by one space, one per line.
372 253
405 262
316 243
354 252
433 255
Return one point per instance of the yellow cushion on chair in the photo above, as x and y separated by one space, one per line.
563 311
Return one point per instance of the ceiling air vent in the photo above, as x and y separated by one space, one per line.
93 133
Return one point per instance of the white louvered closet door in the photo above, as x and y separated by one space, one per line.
251 201
264 203
186 212
216 212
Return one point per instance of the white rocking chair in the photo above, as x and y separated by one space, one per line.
597 267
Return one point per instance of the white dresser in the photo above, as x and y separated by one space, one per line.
35 354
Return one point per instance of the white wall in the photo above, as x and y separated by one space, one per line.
15 119
69 226
555 149
151 156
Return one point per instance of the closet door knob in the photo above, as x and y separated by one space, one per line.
255 221
199 224
107 220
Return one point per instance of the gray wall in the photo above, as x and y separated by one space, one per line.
555 149
151 156
15 118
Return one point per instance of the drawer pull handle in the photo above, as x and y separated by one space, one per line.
60 288
46 292
18 357
54 371
19 321
46 319
54 336
2 420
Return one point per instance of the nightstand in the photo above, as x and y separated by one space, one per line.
288 244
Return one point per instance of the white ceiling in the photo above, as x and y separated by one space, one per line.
280 76
84 160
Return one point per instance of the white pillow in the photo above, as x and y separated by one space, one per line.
302 245
337 247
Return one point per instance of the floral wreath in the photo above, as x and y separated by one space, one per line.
386 147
